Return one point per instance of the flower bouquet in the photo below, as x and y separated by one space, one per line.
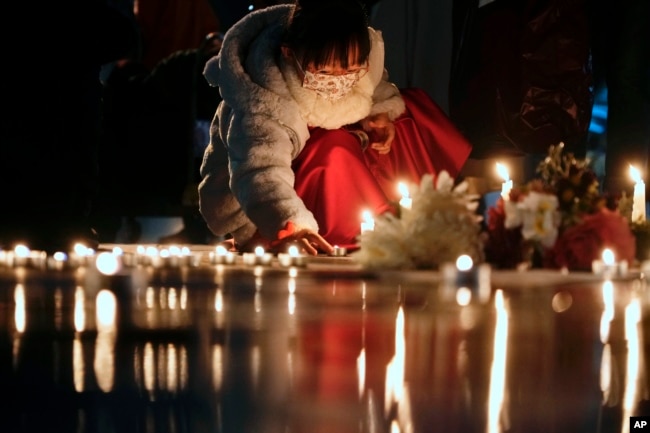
558 220
441 225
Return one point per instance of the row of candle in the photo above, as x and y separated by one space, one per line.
172 257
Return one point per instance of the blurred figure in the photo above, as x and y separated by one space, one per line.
50 128
165 112
620 39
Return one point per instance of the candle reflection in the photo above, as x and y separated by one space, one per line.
255 365
172 368
396 390
217 367
218 308
78 364
608 310
20 314
634 360
149 369
20 319
361 371
104 365
498 369
79 310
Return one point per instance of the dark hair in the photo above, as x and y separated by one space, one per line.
322 31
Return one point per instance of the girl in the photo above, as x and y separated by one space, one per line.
310 131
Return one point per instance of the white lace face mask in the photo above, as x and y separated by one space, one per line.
329 86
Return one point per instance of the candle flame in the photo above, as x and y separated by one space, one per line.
503 171
464 262
403 189
635 174
259 251
608 257
293 251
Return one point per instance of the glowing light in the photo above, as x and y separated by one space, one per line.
498 369
367 221
464 262
506 186
108 263
608 257
406 202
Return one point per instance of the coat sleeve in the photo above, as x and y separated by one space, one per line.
260 192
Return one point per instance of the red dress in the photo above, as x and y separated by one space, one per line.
337 180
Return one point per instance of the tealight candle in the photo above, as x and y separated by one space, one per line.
638 203
339 251
506 186
367 222
20 255
81 255
38 259
292 257
221 256
259 257
464 275
608 267
406 201
108 263
57 261
191 258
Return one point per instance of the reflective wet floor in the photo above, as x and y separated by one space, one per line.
328 347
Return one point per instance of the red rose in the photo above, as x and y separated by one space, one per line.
579 245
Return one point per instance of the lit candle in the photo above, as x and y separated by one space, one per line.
108 263
638 204
221 256
608 266
406 201
339 251
367 222
57 260
259 257
506 186
465 279
20 255
292 257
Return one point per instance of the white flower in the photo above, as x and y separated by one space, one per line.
441 225
538 215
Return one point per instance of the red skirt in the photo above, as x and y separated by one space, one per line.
337 180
